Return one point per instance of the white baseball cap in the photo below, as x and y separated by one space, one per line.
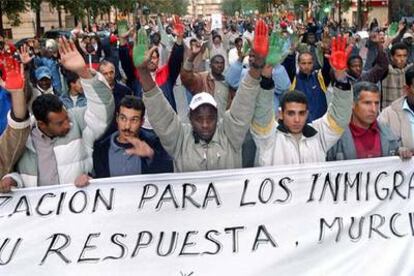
202 98
407 35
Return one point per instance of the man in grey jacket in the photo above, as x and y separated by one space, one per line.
365 137
208 142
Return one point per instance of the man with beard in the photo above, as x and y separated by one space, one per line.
125 152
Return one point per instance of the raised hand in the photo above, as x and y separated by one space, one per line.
14 75
140 47
261 38
178 26
278 49
71 59
25 55
339 53
195 49
140 148
393 29
122 27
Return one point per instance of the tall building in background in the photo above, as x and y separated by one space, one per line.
204 7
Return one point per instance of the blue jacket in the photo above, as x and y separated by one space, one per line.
68 102
314 89
5 105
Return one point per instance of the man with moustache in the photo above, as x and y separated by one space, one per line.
126 151
365 137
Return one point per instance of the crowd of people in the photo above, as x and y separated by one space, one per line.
260 91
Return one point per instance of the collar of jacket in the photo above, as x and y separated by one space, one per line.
198 140
307 131
303 76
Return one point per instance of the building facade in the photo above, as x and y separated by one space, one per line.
204 7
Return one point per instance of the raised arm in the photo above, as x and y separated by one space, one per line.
160 113
13 140
192 81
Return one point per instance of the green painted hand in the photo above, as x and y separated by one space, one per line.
122 26
393 29
278 49
140 47
246 47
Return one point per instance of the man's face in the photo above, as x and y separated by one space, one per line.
409 92
408 41
294 116
108 71
45 83
58 124
306 64
217 40
239 44
365 110
129 122
156 39
76 87
399 59
355 67
153 65
204 121
217 65
311 38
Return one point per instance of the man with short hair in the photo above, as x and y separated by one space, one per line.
74 97
206 143
59 148
125 152
365 137
393 83
313 84
211 82
107 69
291 140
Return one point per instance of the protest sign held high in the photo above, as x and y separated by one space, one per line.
339 218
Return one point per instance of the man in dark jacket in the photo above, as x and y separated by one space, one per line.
126 151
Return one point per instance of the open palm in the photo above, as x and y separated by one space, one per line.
278 49
140 47
70 58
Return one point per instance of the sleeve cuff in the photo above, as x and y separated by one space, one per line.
151 93
16 124
267 83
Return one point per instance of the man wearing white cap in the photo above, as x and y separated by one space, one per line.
207 143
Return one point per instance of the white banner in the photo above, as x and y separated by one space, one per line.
339 218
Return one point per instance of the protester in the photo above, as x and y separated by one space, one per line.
365 137
291 140
126 151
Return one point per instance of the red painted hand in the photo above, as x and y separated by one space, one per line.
261 38
178 26
15 79
339 53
